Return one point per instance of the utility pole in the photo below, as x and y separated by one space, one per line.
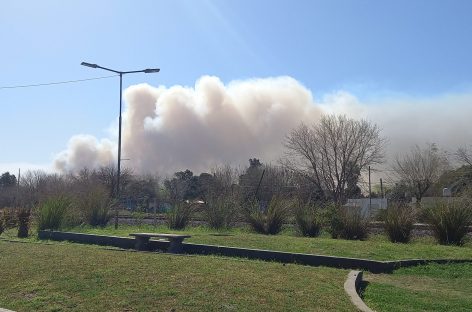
381 193
381 188
18 188
370 193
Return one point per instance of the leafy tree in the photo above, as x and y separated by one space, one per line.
142 190
183 186
7 180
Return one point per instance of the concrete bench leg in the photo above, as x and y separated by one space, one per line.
141 243
175 246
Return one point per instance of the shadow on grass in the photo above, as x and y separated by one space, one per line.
362 287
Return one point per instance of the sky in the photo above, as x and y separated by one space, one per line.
379 57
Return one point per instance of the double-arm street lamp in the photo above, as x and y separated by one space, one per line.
121 73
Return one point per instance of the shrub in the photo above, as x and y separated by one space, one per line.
52 212
23 217
220 211
348 222
9 218
95 206
449 220
307 219
270 221
179 215
399 220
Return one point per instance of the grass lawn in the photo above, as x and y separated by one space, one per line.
424 288
63 276
376 247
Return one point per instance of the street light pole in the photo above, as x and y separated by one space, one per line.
120 73
119 155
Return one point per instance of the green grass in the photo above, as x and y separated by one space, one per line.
376 247
431 287
71 277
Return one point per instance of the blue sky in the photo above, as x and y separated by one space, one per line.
369 48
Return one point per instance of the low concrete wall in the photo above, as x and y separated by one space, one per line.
288 257
351 287
103 240
373 266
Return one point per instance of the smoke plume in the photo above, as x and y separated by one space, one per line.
170 129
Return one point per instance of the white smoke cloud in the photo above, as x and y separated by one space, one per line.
170 129
406 121
85 151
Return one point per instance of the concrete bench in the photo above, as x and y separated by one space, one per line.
175 240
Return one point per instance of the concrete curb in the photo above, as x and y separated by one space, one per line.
373 266
5 310
351 286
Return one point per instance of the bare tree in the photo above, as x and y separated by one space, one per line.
108 176
464 156
330 152
420 168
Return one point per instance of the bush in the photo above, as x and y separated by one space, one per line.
449 220
399 220
179 216
307 219
9 218
52 212
270 221
220 211
95 206
23 217
348 222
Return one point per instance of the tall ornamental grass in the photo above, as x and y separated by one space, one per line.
96 206
51 213
308 219
178 217
271 220
23 216
399 220
220 211
450 220
349 222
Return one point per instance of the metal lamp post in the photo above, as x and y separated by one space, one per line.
121 73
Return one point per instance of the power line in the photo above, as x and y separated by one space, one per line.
56 83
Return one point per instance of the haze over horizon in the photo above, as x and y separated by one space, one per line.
235 78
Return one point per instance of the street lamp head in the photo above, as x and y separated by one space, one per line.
151 70
89 65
